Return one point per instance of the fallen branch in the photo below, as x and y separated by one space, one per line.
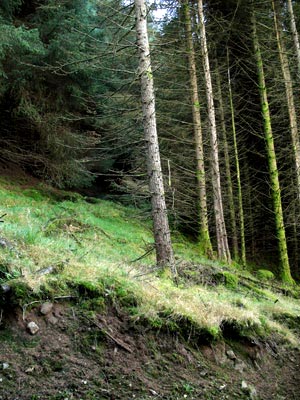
144 255
2 217
117 341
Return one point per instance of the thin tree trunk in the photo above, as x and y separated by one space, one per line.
223 248
204 236
231 205
284 272
238 171
295 33
289 92
249 199
162 237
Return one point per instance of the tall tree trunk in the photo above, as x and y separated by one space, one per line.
295 33
223 248
164 251
231 205
289 92
249 198
238 170
204 236
284 272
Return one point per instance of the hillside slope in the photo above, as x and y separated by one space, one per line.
115 328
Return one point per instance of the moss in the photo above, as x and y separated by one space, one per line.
228 279
265 274
34 194
290 320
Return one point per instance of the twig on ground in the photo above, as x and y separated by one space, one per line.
117 341
144 255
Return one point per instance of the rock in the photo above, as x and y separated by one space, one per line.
5 288
32 327
5 365
239 365
46 308
230 354
52 320
250 390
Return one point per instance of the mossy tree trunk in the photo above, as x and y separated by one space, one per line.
231 205
238 170
164 251
222 241
284 272
204 236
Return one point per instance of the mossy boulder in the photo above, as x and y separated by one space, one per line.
265 274
228 279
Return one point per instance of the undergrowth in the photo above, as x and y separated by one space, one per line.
91 249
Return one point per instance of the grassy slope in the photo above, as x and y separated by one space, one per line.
92 246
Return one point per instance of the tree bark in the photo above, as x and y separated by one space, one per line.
284 272
204 236
222 241
238 171
295 33
284 62
231 205
162 237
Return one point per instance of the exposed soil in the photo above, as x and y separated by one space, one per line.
107 356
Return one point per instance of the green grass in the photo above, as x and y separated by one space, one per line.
96 244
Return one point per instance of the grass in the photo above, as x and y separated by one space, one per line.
92 247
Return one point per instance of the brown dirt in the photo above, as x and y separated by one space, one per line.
72 358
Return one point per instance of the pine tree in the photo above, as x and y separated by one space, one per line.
204 236
284 271
164 251
222 241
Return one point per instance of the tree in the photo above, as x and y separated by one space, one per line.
295 33
288 83
238 171
229 183
222 241
284 271
204 236
164 251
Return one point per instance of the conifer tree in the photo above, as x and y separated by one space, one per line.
284 271
222 241
204 236
164 251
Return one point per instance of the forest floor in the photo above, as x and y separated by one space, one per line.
110 326
72 358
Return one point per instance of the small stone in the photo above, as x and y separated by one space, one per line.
250 390
52 320
239 366
33 327
46 308
203 373
230 354
5 366
253 393
244 386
